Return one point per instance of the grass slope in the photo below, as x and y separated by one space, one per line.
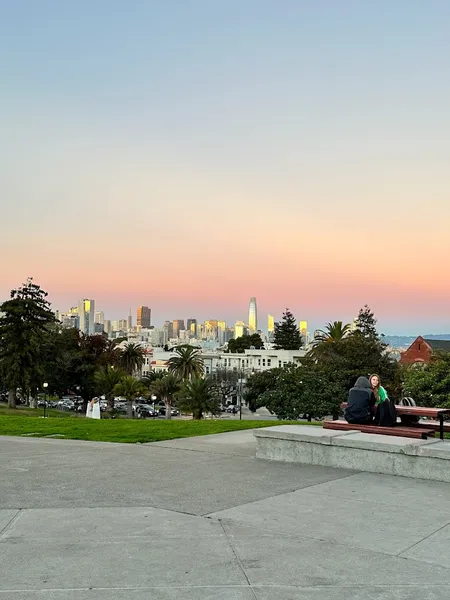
121 430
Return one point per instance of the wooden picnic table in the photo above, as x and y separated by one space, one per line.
421 411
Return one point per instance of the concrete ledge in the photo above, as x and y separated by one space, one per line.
422 459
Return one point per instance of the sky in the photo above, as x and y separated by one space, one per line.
190 154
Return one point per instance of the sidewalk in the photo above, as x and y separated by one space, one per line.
202 519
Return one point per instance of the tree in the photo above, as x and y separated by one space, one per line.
198 396
287 334
149 378
130 388
131 358
366 323
63 359
111 354
245 342
429 384
166 389
187 363
257 385
227 382
24 322
334 332
106 382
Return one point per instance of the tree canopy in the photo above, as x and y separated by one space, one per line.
187 363
429 384
245 342
24 323
287 335
199 395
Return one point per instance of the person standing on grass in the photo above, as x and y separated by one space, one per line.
361 403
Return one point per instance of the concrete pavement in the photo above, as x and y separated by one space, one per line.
202 519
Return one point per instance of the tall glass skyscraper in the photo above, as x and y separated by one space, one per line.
252 316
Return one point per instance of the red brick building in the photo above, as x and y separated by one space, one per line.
421 350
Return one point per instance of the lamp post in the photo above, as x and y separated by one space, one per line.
45 386
153 400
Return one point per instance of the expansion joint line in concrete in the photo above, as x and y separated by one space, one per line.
238 560
10 522
422 540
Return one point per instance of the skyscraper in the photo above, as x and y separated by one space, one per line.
178 325
99 317
270 324
86 313
129 321
144 317
239 329
191 326
252 316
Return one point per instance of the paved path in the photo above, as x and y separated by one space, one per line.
201 519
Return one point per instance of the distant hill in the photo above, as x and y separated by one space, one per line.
403 341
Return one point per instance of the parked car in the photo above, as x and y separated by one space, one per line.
144 411
174 412
232 408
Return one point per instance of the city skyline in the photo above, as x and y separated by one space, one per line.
297 152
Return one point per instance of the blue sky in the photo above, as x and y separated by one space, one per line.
190 155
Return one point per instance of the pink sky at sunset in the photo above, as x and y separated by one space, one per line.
304 164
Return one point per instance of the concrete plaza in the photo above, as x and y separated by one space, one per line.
202 519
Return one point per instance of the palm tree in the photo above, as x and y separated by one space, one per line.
111 354
131 358
198 396
130 388
165 389
334 332
106 382
187 363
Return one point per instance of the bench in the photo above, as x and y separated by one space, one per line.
421 433
423 411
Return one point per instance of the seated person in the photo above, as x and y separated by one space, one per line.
361 403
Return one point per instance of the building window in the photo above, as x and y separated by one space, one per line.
259 362
419 347
207 370
279 363
264 362
269 362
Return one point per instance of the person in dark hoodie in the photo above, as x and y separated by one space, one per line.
361 403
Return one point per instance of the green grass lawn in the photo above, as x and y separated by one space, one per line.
118 430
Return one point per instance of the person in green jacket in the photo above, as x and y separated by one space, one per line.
378 390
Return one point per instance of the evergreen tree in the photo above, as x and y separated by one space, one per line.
23 328
287 334
245 342
366 323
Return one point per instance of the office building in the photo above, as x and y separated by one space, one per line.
252 316
239 329
178 325
270 324
129 321
144 317
191 326
221 332
168 331
99 317
86 314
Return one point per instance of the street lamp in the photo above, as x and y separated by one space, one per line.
153 400
45 386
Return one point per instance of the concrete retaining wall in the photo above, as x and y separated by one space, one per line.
421 459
